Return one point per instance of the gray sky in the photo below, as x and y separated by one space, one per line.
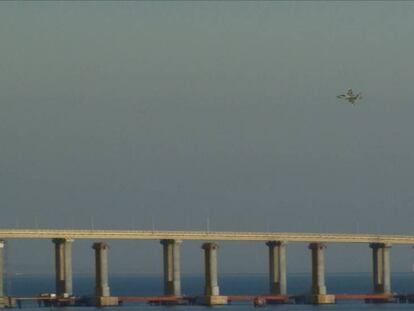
141 114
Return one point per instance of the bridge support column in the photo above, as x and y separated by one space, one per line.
101 269
102 292
172 272
277 267
2 244
319 295
381 272
211 288
2 298
5 302
63 266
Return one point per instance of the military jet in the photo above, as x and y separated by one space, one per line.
350 96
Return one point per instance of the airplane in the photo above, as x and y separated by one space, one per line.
350 96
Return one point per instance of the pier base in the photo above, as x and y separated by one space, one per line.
213 300
7 302
321 299
106 301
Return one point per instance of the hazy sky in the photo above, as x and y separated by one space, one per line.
163 114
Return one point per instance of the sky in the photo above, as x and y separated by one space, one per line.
172 115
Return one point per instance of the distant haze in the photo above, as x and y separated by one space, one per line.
168 114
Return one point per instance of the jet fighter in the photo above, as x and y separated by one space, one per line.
350 96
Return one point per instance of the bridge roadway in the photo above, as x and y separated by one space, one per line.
204 236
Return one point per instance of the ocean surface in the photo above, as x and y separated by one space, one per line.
23 285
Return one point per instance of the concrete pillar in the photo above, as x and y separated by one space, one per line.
318 268
63 266
101 269
381 273
319 295
172 271
376 267
386 268
211 287
2 244
277 267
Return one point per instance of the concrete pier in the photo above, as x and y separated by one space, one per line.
102 292
63 266
319 294
5 301
277 267
101 269
172 269
2 296
2 244
386 268
381 273
211 288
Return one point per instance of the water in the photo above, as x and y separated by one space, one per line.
229 284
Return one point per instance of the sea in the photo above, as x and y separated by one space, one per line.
249 284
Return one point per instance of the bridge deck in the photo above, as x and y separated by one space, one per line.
204 236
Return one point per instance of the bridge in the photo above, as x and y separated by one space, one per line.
276 243
205 236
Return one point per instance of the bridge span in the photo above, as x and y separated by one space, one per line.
204 236
276 243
